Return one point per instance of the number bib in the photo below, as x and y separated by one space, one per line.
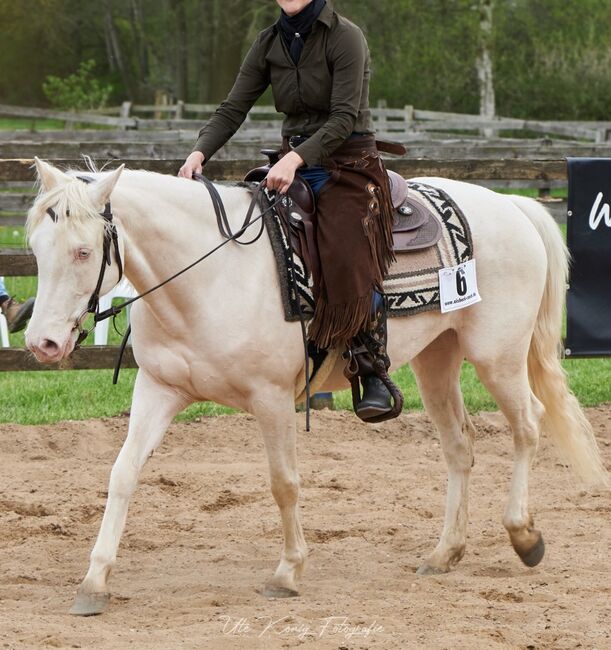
458 287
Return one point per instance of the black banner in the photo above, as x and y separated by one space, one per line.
589 240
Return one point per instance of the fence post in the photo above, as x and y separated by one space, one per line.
180 109
125 109
381 125
124 112
409 118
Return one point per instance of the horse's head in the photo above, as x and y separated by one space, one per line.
65 230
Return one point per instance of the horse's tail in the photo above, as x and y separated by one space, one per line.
564 420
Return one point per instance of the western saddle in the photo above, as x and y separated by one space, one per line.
415 227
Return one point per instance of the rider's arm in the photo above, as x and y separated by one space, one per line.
251 82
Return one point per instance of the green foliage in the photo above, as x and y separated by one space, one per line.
423 54
78 91
551 58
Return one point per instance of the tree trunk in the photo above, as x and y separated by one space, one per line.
484 64
182 70
115 53
141 48
203 50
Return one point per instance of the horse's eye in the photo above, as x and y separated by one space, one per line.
83 254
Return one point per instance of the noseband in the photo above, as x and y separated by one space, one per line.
111 238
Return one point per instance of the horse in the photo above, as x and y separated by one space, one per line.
218 333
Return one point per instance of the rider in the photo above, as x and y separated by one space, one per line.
318 65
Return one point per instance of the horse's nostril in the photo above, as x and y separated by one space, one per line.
49 346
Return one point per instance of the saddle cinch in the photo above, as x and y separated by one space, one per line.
414 226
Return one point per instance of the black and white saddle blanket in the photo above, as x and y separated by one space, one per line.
412 285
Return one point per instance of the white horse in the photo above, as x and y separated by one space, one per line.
218 333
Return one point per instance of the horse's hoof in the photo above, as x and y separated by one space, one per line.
89 604
428 570
535 554
273 591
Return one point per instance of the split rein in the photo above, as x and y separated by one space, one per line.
111 238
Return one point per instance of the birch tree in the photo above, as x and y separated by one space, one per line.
483 63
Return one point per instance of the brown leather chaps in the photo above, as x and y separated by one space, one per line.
355 243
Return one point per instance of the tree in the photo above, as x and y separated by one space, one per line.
78 91
483 63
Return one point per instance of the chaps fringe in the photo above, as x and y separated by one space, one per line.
334 325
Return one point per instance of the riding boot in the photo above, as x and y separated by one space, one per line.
16 313
376 400
368 359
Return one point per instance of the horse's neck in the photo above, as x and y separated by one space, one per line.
167 224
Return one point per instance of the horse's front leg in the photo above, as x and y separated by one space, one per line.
153 407
275 412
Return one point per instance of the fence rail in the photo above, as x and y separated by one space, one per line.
542 175
261 120
98 357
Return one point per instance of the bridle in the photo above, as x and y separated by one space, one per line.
111 241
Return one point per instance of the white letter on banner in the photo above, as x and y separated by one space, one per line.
595 219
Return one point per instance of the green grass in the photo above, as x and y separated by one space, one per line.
38 124
29 124
555 193
48 396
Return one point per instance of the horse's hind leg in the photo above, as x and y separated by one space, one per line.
507 380
275 412
437 370
153 407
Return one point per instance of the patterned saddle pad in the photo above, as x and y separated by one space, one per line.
412 285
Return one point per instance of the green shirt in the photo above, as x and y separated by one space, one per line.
325 96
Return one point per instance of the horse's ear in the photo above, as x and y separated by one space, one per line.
50 176
101 190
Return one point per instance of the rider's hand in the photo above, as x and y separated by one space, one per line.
282 174
192 165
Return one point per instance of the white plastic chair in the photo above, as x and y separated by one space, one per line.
123 290
4 328
4 331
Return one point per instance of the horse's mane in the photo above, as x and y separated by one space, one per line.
69 198
71 201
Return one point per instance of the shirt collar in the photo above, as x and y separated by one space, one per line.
326 15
